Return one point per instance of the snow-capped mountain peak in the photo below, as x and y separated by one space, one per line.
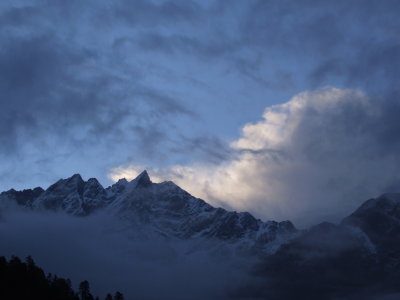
161 208
143 179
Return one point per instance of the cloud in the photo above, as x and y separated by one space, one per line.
67 95
53 90
348 43
161 13
166 82
60 80
316 157
102 250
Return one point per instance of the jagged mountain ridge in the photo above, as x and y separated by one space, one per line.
359 257
166 208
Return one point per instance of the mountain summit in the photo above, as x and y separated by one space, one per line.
143 179
155 208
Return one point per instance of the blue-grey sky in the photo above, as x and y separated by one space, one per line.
195 91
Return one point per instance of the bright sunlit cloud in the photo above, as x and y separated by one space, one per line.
309 159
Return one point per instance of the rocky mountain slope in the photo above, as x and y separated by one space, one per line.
359 258
161 208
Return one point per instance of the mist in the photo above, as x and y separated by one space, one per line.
103 250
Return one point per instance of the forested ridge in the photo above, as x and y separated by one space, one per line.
25 280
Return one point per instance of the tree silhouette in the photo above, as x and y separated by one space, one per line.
84 291
118 296
109 297
25 280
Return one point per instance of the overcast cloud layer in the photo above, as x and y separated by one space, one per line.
88 87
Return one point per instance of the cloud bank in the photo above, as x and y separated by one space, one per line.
102 250
316 157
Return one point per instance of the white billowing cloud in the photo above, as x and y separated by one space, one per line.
316 157
281 122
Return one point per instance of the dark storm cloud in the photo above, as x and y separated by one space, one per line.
148 135
36 86
42 93
375 67
354 42
51 78
205 148
52 84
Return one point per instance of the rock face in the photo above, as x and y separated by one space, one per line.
163 208
24 198
72 195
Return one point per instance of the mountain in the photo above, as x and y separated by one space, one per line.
379 218
155 208
356 259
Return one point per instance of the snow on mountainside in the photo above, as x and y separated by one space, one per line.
359 258
164 207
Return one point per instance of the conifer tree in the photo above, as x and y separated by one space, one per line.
84 291
109 297
118 296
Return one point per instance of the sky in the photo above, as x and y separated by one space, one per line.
286 109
